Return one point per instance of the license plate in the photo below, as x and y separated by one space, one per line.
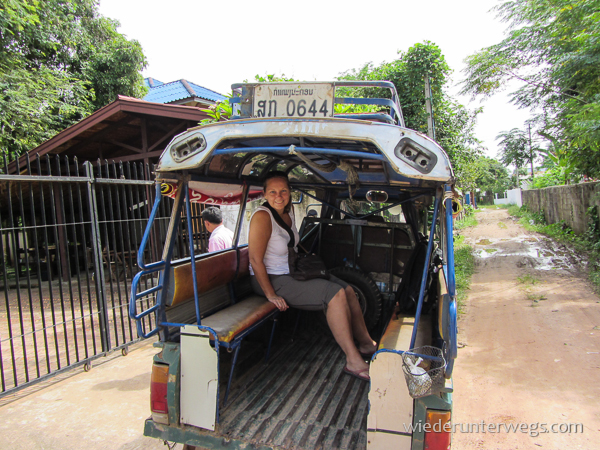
293 100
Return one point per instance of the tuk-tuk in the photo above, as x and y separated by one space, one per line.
374 199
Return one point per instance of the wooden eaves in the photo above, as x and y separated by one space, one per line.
127 129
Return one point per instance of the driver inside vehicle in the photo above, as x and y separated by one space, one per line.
269 269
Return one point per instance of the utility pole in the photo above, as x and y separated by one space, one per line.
429 109
530 153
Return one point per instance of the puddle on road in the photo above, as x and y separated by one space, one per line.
529 239
546 258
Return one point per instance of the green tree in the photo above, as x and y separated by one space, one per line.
561 166
552 49
270 78
492 175
454 124
513 148
60 60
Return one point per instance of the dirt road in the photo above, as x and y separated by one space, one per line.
529 345
101 409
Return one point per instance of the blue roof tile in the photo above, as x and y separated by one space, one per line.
151 82
177 90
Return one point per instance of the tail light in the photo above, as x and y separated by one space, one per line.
438 430
415 155
158 393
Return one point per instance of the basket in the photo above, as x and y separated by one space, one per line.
430 379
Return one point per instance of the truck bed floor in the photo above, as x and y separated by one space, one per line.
301 399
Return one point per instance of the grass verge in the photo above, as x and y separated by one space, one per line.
464 267
469 220
587 244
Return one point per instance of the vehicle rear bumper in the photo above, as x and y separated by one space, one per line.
195 436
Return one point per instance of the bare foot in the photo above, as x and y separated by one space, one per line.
368 349
357 366
361 374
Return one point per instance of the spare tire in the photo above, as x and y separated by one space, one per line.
369 296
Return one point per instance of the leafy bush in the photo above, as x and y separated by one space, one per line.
592 234
550 178
220 111
468 209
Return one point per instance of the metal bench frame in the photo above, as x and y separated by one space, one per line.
164 266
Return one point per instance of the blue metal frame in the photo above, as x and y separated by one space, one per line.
316 150
381 84
385 177
451 277
146 269
369 101
425 269
234 345
451 339
377 117
402 352
163 266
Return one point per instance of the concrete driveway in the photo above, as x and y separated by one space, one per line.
102 409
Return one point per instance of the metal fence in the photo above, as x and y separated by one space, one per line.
69 234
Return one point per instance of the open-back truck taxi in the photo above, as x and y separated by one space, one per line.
374 200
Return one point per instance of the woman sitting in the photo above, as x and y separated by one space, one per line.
268 250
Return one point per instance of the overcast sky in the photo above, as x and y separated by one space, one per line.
217 43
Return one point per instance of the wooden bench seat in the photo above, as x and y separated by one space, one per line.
227 304
234 320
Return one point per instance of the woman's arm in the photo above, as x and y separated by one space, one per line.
258 238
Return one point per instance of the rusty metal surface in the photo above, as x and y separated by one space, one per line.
301 399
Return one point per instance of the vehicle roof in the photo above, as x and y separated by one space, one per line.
328 152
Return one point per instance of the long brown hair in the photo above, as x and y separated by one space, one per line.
279 174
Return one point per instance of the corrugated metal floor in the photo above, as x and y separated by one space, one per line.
301 399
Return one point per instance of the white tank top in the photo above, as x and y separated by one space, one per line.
276 254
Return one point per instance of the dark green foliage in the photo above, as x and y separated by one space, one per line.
550 178
552 49
492 176
454 124
592 234
270 78
59 62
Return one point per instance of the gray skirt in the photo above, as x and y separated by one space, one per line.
312 295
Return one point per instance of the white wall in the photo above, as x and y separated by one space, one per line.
513 197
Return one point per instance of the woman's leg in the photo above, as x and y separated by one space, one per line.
359 328
339 319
